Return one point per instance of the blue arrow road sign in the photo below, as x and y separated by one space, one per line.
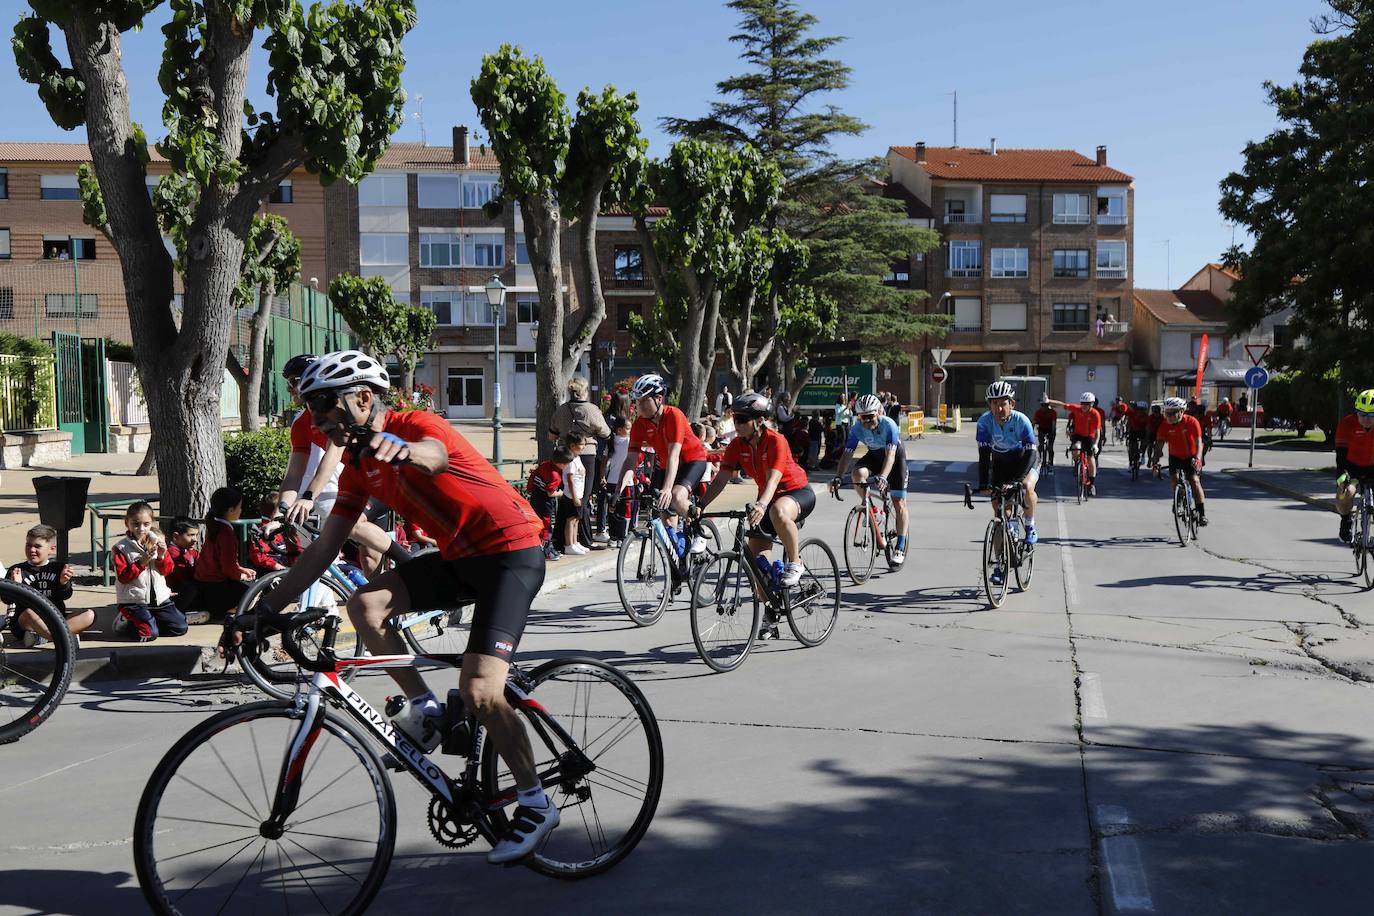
1256 377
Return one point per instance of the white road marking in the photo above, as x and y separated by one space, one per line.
1090 694
1065 551
70 766
916 467
958 467
1125 869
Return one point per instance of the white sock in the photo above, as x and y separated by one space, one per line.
428 703
533 798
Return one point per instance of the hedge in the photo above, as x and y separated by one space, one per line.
255 462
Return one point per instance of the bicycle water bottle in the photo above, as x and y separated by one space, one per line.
457 736
1014 525
777 575
765 569
354 574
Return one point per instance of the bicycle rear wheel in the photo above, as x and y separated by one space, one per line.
264 661
435 632
860 549
199 846
1181 526
33 681
995 555
813 604
725 612
606 783
642 577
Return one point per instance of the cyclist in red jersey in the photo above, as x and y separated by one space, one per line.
1152 425
785 494
681 456
1137 429
1183 433
488 536
1046 421
1085 429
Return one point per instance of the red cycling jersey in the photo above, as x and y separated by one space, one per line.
468 509
672 426
1138 420
304 433
772 453
1084 422
1182 437
1356 440
1119 410
1045 418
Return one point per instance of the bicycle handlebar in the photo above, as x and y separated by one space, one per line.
265 624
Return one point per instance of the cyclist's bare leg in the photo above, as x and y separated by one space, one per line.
760 547
369 609
1031 501
783 513
372 542
1198 494
1092 466
678 505
483 687
900 516
1345 499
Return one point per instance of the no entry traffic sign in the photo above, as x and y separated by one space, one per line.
938 374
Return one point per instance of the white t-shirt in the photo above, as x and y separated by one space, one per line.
576 475
615 462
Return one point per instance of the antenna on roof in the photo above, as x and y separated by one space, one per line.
419 115
955 93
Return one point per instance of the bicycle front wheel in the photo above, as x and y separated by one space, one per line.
860 548
264 661
725 612
33 681
1363 566
599 754
813 604
642 573
995 559
200 844
1181 524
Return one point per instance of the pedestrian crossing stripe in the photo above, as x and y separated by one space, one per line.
917 467
958 467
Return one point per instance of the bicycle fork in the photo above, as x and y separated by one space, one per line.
293 769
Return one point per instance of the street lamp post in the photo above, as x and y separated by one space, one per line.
496 298
76 282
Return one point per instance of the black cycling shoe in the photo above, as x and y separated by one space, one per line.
1202 521
1347 529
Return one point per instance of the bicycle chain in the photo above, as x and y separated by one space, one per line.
446 827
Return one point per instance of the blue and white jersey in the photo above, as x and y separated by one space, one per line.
1017 434
879 437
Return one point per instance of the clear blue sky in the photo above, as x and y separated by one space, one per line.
1172 87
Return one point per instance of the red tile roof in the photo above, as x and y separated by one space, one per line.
1182 306
53 152
417 157
965 164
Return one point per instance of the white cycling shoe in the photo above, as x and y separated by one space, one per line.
791 574
528 829
424 731
698 546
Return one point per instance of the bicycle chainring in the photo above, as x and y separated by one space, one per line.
448 828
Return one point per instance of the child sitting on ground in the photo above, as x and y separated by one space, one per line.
222 581
142 563
182 578
53 582
543 489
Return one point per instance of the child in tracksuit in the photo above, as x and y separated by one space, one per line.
142 563
543 489
220 577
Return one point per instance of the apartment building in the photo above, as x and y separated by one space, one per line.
1036 247
418 221
49 256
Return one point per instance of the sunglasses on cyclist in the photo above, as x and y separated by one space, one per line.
868 417
324 401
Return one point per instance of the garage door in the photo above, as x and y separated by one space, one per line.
1100 380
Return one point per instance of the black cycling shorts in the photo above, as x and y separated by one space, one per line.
503 586
896 478
689 474
1087 442
1182 466
1047 435
1006 468
804 497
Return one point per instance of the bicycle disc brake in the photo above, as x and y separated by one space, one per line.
448 828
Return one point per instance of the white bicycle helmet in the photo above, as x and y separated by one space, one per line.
1087 397
1000 389
1175 404
646 385
868 404
343 369
751 404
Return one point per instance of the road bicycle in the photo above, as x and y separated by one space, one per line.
1078 458
1359 543
33 681
1046 449
727 591
286 806
869 528
1223 427
648 575
1183 508
1004 542
1134 446
1118 430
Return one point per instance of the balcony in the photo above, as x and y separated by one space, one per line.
1111 219
1114 330
630 281
952 218
1072 219
1111 273
964 272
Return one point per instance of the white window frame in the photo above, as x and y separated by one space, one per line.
5 251
1007 316
1113 265
965 258
1087 320
69 185
284 184
526 304
1010 263
66 302
1065 215
1016 212
478 190
967 305
474 242
4 184
524 363
383 189
438 192
1115 197
451 297
459 372
389 257
430 240
7 302
522 251
1081 256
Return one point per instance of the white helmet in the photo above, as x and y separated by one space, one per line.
868 404
1226 400
343 369
1000 389
1174 404
1087 397
646 385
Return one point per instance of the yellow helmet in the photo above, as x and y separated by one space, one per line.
1364 401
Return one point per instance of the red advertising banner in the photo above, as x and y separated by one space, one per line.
1201 366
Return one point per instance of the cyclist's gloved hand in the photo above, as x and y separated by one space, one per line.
388 447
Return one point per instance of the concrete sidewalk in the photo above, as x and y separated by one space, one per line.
1308 485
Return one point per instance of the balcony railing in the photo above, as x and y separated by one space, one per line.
966 326
1072 219
1111 219
630 282
964 272
1007 217
1111 273
1115 328
963 217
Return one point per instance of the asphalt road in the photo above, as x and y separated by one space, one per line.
1148 729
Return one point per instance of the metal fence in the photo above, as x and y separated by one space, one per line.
28 393
127 407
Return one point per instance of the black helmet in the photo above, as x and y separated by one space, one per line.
752 404
295 366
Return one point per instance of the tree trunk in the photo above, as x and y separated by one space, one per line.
543 219
591 299
250 384
407 367
698 346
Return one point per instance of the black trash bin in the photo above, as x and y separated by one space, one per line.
62 504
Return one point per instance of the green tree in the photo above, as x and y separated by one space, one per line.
1305 197
718 200
271 260
387 327
853 236
335 73
560 169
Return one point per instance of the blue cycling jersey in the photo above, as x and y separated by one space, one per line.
1015 435
881 436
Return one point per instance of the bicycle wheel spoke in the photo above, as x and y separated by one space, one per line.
629 720
612 786
225 802
238 785
233 891
304 878
216 869
311 820
40 685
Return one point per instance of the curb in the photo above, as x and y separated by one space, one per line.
1246 475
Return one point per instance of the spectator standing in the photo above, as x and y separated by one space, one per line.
615 471
784 410
573 504
723 399
576 416
543 489
221 579
142 563
815 432
40 573
1243 402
